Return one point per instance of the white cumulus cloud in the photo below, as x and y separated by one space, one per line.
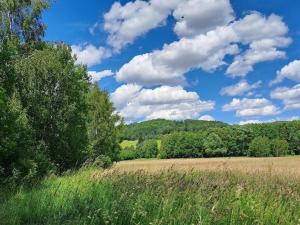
125 23
207 118
135 103
290 71
265 35
240 88
97 76
207 52
89 54
289 96
251 107
196 17
168 66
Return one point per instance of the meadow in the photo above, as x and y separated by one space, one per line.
183 191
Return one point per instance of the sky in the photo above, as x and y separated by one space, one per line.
233 61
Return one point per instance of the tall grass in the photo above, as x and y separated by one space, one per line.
169 197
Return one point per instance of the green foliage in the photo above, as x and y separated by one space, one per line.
102 125
128 153
156 128
218 198
102 161
17 158
285 130
53 91
232 140
147 149
295 142
182 145
236 139
214 146
259 147
279 147
48 109
21 19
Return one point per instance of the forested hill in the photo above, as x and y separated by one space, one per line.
158 127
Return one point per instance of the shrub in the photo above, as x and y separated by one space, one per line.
279 147
147 149
128 153
259 147
102 161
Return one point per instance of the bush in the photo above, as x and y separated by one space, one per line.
182 145
279 147
259 147
102 161
128 153
147 149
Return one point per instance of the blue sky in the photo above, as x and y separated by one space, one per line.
233 61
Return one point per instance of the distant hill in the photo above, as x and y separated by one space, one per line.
156 128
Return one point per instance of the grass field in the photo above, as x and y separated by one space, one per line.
184 191
127 143
280 165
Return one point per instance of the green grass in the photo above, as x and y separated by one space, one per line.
96 197
127 143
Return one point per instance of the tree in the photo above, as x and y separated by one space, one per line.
128 153
295 142
21 19
279 147
182 145
21 31
214 146
53 91
103 125
259 147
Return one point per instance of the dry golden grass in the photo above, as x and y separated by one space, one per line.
280 165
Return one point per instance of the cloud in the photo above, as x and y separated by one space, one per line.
141 70
196 17
168 66
250 122
289 96
125 23
163 102
97 76
207 52
251 107
268 121
207 118
94 28
240 88
265 35
89 54
290 71
255 26
124 93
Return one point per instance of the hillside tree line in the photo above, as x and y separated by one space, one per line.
219 140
